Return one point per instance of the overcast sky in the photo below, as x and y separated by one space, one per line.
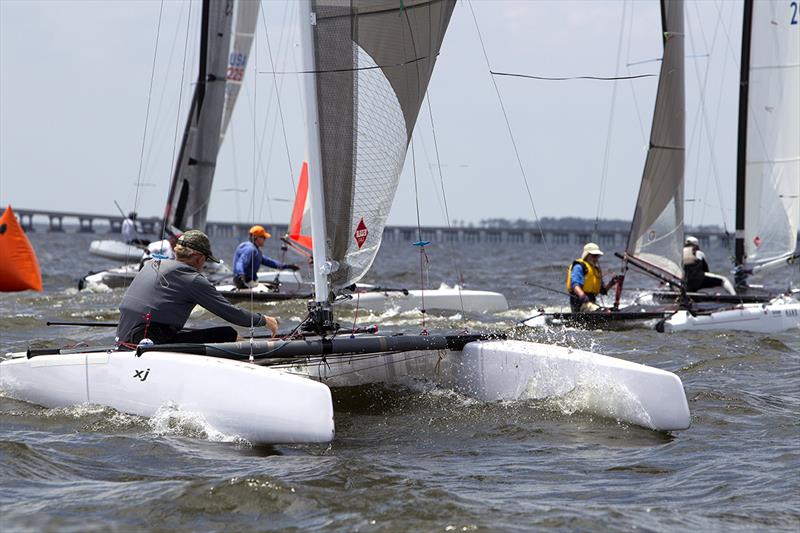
75 83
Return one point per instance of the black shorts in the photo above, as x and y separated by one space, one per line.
166 334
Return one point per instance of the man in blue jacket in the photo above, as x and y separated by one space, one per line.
248 259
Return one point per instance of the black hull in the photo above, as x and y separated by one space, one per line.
708 298
242 296
607 320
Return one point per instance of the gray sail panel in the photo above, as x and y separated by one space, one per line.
190 190
374 60
657 228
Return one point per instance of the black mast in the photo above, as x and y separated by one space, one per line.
741 159
176 217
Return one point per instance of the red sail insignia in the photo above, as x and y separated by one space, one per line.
361 233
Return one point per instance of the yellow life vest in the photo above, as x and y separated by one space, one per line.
593 278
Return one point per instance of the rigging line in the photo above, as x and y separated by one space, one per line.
176 133
704 116
278 96
160 106
510 132
340 70
237 202
419 234
628 68
570 78
147 112
446 210
607 152
265 171
254 171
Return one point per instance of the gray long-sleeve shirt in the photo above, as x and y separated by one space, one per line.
169 290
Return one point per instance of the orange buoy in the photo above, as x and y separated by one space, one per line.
19 269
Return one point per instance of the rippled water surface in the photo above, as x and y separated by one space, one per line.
424 459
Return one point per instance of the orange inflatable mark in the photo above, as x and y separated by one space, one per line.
19 269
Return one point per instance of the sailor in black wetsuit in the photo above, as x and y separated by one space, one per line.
696 272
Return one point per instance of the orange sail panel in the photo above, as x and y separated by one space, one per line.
19 269
296 226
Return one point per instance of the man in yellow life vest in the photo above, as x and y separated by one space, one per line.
585 280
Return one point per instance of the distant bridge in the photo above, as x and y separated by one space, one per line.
614 239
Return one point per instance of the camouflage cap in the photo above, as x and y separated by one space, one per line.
197 241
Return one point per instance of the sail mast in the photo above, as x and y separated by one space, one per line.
741 159
308 20
656 237
174 210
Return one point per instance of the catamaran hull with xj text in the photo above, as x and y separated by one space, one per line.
284 396
259 404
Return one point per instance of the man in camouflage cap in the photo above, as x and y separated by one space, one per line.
198 241
162 295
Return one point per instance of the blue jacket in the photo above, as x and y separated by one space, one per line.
248 259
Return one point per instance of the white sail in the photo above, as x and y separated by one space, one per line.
372 61
222 64
772 155
656 236
244 32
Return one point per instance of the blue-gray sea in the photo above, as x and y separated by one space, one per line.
406 460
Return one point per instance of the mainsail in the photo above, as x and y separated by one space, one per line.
372 61
768 165
222 64
656 236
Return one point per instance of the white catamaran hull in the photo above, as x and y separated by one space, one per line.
758 318
259 404
117 250
122 276
517 370
270 405
445 299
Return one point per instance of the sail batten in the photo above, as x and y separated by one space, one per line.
372 64
657 229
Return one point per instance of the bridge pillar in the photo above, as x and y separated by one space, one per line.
148 226
85 225
56 225
26 221
115 225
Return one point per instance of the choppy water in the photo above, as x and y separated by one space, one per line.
402 460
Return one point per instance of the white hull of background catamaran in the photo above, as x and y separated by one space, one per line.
116 250
782 314
441 299
122 276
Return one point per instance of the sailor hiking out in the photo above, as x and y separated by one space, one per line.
162 295
696 272
248 258
585 280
